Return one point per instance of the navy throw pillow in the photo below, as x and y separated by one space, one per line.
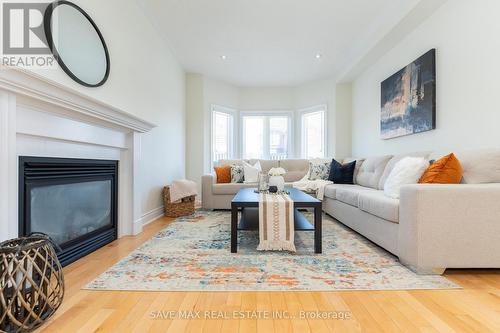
342 173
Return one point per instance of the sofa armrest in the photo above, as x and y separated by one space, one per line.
449 226
206 190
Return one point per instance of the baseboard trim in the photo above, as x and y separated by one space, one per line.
152 215
148 218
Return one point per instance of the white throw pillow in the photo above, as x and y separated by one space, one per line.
251 173
407 171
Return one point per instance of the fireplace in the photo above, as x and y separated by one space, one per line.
74 201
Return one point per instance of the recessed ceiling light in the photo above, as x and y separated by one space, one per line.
223 57
318 56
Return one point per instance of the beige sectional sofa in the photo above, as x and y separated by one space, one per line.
219 196
430 228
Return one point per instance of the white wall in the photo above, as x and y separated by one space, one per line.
317 93
201 94
145 80
266 99
222 94
465 35
343 120
195 130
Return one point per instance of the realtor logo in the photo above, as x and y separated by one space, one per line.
23 31
23 35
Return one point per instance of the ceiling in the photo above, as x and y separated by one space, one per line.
272 42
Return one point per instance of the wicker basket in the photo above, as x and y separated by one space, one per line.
31 283
176 209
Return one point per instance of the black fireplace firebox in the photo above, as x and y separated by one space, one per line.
74 201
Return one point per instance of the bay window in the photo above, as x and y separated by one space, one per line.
266 135
313 133
222 133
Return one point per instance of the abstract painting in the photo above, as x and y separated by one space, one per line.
409 99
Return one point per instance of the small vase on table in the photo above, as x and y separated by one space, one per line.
277 181
276 178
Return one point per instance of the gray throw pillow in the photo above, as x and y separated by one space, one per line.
319 170
237 174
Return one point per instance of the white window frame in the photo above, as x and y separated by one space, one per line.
267 115
214 108
309 110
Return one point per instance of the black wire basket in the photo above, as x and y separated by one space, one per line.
31 282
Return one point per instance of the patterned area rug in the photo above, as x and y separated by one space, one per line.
192 254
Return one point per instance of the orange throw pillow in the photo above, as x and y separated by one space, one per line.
446 170
223 174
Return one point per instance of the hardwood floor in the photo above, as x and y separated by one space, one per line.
475 308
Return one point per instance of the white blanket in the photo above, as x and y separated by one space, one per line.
181 189
317 186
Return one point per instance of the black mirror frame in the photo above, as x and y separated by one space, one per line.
50 41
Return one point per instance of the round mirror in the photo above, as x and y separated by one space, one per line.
76 43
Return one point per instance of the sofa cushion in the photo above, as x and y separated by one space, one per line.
231 162
349 193
378 204
371 170
481 166
392 162
295 169
331 189
233 188
266 165
294 176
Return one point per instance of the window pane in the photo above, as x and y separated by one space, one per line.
313 134
278 137
222 135
253 137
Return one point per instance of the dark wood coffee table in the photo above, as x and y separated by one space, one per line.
247 200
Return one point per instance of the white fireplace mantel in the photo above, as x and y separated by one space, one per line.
39 117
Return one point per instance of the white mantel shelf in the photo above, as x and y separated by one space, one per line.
32 85
39 117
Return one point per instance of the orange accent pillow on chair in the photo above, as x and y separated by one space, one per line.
223 174
446 170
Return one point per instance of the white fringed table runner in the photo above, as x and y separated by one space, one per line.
276 223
